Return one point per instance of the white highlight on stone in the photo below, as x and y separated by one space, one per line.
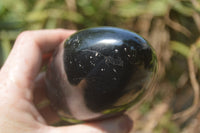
109 41
125 49
102 69
114 70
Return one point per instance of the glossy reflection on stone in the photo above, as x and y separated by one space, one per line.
100 72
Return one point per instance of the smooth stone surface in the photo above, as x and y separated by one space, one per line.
100 72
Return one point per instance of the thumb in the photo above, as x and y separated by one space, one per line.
122 124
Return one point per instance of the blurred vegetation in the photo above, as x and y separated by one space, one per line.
171 26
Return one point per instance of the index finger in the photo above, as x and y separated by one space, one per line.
25 59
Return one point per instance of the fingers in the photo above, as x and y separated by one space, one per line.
41 101
25 59
39 93
120 124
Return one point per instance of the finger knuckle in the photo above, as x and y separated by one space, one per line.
24 35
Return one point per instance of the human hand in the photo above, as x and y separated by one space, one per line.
21 86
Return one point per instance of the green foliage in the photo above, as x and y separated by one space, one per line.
155 7
166 125
180 48
5 47
145 108
139 7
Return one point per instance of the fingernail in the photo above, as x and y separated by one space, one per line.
126 124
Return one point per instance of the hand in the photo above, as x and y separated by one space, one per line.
21 85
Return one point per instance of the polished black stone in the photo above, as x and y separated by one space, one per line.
108 70
108 59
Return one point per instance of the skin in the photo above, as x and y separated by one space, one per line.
22 87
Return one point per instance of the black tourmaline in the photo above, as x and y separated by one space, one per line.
106 70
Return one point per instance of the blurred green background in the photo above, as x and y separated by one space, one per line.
171 26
